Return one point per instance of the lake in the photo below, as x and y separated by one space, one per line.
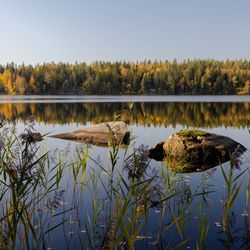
186 211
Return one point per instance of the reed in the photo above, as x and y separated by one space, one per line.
128 202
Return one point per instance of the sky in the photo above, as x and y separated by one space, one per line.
35 31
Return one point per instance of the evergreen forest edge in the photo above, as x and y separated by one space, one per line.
200 77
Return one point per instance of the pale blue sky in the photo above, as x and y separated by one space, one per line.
88 30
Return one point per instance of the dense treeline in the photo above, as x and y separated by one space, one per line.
206 115
187 77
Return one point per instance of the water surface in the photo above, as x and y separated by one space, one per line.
151 119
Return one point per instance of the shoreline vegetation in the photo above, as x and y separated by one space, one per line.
189 77
44 195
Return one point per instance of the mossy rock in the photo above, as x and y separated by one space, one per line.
195 150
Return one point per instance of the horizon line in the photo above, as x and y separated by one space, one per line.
126 61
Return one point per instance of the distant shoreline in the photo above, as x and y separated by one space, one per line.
191 77
121 98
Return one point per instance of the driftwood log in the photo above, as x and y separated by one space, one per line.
100 134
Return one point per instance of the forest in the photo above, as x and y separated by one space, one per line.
208 77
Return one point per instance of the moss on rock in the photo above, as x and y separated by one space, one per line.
191 133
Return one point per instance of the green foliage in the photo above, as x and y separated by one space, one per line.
26 181
146 77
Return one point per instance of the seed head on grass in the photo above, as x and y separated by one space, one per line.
137 164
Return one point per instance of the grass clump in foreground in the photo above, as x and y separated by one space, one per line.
125 203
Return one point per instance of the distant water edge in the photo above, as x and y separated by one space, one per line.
121 98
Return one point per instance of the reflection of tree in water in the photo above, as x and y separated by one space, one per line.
147 114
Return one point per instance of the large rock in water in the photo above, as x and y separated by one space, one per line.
194 150
100 134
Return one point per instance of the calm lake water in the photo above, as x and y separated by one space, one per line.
151 119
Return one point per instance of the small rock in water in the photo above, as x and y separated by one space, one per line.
100 134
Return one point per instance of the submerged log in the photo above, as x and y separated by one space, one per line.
100 134
194 150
